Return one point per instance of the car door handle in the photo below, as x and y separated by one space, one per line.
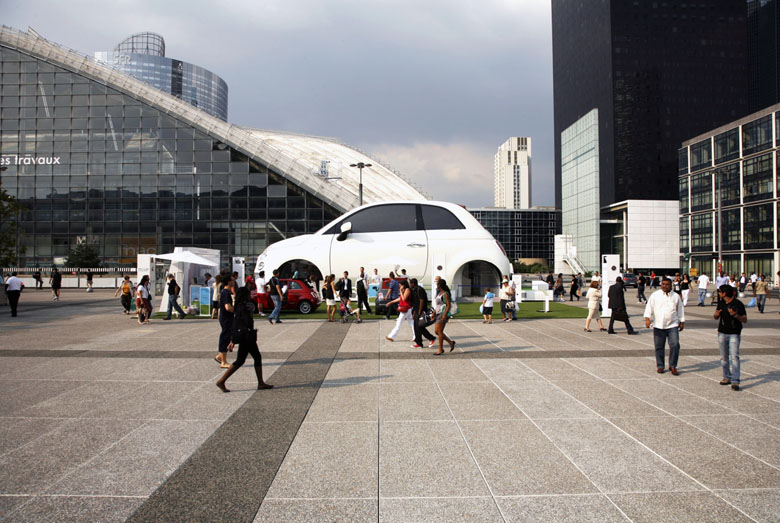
415 245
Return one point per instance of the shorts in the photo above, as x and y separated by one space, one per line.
487 311
214 305
330 303
441 319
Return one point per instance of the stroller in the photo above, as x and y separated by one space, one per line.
345 311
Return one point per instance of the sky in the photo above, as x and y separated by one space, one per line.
430 88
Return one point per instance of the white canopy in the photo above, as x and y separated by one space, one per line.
186 257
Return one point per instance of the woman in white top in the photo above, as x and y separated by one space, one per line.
594 297
215 290
505 295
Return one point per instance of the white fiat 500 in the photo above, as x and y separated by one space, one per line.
425 238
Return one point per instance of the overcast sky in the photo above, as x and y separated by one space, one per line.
430 87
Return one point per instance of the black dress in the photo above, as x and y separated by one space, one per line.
244 334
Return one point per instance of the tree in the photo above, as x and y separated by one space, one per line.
83 255
9 210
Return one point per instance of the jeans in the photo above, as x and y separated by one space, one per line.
702 295
659 339
729 355
640 293
277 307
173 304
760 302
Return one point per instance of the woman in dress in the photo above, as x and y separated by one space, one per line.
685 289
329 291
442 303
245 336
404 302
594 298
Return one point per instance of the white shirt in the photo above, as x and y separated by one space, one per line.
210 282
260 282
13 283
504 293
704 281
376 279
144 291
595 278
488 302
666 311
721 280
753 278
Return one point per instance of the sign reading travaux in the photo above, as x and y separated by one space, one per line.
29 160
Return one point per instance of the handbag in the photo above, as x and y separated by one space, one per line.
510 306
619 314
428 317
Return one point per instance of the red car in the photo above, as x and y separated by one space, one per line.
300 297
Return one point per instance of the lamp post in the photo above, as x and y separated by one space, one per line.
720 221
360 166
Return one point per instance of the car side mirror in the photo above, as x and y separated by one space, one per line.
346 228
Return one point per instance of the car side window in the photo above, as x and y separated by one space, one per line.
295 286
382 218
439 218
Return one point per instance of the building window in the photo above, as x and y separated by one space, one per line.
701 191
757 174
727 146
684 198
682 161
684 234
701 155
701 232
759 230
732 230
729 183
757 135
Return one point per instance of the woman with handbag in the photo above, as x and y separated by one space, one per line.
505 297
245 335
404 302
442 303
594 304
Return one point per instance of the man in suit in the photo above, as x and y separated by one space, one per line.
617 303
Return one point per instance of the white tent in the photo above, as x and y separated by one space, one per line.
182 265
185 257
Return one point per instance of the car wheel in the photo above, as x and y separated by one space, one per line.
305 307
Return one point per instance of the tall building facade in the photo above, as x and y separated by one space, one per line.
512 174
526 234
142 56
764 53
96 156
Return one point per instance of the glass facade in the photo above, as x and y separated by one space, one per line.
89 163
727 146
730 184
524 233
701 232
701 155
701 191
758 178
759 227
757 135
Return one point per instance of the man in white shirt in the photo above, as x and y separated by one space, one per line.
13 287
665 309
703 282
260 283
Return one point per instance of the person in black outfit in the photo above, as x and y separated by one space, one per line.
244 334
550 281
362 290
225 321
56 283
617 302
173 295
640 288
38 278
419 305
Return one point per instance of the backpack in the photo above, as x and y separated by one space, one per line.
176 290
126 288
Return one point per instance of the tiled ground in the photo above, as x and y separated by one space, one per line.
393 436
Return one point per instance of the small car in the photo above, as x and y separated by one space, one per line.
300 297
630 280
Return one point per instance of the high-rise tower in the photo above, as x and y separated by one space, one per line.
512 174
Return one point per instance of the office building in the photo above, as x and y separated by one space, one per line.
653 73
526 234
512 174
97 156
142 56
764 53
732 169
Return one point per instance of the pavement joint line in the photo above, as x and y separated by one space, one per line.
744 389
557 447
242 478
708 489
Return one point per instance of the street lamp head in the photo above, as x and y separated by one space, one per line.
360 165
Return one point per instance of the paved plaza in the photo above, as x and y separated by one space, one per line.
534 420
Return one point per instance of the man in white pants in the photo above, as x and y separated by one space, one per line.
703 282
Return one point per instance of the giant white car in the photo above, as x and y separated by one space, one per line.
426 238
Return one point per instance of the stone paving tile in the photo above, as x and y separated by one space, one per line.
507 371
137 464
203 405
17 432
592 507
411 456
358 371
27 393
412 402
605 369
670 399
456 370
317 511
516 458
701 455
544 400
443 510
145 402
83 400
345 402
405 371
761 505
742 401
10 503
744 433
608 401
68 508
557 369
329 460
612 460
478 401
677 506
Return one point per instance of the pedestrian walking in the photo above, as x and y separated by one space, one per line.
393 291
505 299
244 334
731 315
55 280
551 281
404 301
595 278
666 312
676 284
216 290
513 294
594 306
89 280
126 288
442 303
143 302
361 286
487 306
742 282
617 304
558 290
13 288
760 291
330 296
226 314
640 288
701 286
685 289
573 289
38 279
173 298
262 288
419 312
275 291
